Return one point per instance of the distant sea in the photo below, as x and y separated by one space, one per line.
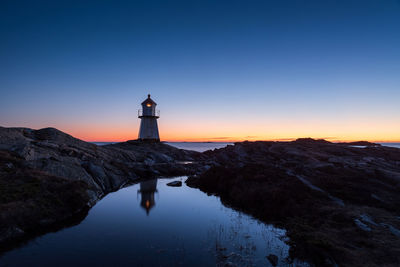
103 143
201 147
391 144
196 146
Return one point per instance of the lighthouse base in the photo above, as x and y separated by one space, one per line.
149 140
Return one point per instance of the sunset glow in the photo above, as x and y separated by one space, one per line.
271 71
377 132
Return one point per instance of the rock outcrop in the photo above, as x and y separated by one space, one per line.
340 203
56 175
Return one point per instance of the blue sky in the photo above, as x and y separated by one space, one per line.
234 69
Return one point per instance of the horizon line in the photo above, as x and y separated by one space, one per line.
260 140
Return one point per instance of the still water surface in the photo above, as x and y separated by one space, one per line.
152 224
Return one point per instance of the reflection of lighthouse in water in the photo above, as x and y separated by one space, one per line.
147 190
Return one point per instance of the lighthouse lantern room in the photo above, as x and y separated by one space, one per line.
148 124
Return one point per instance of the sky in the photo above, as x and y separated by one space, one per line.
218 70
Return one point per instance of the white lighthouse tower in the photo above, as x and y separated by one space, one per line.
148 125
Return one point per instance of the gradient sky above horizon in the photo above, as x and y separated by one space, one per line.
219 70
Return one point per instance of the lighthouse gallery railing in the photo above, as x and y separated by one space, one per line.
155 114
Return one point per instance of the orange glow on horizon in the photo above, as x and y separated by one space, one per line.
125 136
237 131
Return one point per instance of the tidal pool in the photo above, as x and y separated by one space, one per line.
152 224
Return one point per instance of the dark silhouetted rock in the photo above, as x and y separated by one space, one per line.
175 183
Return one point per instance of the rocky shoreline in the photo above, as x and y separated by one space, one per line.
48 177
338 202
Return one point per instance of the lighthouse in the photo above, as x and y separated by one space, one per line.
148 124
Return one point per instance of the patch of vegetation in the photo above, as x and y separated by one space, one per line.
255 178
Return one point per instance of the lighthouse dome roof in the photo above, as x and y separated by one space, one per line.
149 100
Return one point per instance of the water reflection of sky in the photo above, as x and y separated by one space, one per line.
184 227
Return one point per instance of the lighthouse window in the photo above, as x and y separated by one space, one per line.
148 105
